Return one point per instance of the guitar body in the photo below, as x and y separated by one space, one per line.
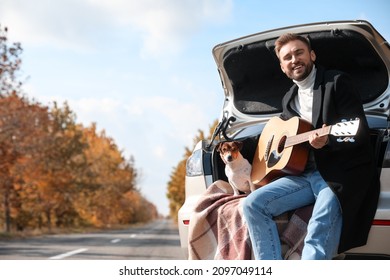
272 159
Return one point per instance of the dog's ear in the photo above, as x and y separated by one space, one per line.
219 146
239 145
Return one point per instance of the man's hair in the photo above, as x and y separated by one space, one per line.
288 37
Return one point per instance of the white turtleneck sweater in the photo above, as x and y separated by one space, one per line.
303 101
303 105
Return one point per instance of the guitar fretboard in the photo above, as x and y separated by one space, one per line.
303 137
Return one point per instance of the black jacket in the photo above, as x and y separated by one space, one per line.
347 167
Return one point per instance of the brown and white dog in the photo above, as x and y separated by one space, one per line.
237 168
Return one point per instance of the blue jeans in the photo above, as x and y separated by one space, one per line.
289 193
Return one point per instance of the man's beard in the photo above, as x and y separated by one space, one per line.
301 76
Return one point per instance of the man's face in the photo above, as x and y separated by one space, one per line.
296 60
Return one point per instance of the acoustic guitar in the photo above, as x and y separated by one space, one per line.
281 149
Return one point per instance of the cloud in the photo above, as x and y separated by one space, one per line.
163 26
168 116
62 24
160 151
147 116
166 24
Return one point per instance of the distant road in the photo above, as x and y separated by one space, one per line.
158 240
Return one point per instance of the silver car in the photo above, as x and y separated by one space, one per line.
254 85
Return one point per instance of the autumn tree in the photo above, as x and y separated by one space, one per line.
55 172
10 64
23 122
19 121
108 181
176 185
176 193
55 169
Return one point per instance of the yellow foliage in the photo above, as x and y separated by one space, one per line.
176 185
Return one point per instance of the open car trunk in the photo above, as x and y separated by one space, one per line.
259 84
254 84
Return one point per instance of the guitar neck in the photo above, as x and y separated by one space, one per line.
303 137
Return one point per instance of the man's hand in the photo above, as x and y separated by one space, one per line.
318 142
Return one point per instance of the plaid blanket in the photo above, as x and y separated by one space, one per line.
218 231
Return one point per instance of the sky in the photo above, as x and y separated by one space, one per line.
143 70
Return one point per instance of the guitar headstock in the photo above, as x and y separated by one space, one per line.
345 128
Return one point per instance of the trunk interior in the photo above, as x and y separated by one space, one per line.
259 85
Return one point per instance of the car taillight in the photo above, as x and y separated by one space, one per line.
381 223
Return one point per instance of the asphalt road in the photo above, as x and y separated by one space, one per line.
158 240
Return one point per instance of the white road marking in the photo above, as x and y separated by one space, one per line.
115 240
133 235
68 254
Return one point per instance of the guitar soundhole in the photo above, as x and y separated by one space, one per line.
275 155
281 145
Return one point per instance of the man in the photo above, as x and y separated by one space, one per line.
340 177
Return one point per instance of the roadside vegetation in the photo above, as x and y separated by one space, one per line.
54 172
176 184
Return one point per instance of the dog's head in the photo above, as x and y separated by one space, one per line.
229 150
